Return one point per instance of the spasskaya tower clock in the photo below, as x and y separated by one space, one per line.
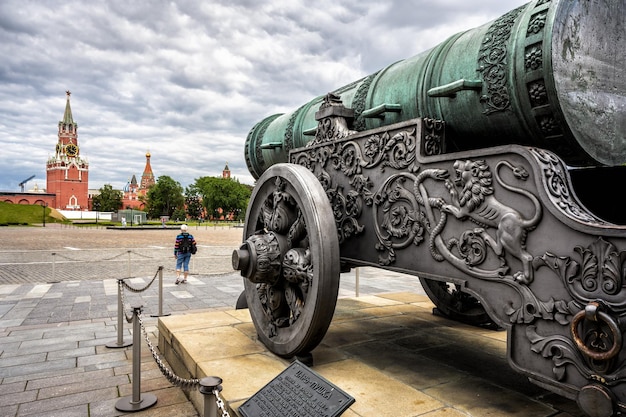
67 173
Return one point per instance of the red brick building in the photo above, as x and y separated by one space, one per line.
41 199
134 191
67 173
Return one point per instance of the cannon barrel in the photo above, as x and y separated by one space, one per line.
550 74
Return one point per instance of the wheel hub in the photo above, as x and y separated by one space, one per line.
259 258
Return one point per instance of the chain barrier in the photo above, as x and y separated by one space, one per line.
70 264
174 379
120 284
115 257
220 403
141 255
131 289
167 372
65 257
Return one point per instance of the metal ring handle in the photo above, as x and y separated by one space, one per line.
617 335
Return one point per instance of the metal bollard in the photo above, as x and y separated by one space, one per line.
160 295
137 401
120 321
53 267
207 386
356 281
128 264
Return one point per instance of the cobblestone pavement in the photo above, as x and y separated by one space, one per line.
59 253
58 313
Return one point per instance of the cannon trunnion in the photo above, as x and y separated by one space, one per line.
478 202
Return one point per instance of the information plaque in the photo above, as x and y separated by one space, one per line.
297 392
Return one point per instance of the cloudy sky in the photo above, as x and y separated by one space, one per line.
186 80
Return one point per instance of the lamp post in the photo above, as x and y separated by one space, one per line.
97 207
43 206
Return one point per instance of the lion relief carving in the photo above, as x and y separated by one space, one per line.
474 199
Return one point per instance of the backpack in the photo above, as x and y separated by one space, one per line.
186 245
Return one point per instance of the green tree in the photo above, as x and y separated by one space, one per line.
179 215
193 202
108 199
226 194
164 197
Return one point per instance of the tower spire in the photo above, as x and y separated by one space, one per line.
67 116
147 179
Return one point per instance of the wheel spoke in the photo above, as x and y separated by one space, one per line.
290 260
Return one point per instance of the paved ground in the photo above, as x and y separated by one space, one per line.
59 253
58 313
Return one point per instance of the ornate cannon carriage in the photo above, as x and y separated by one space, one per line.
490 167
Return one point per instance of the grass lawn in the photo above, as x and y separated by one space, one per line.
25 214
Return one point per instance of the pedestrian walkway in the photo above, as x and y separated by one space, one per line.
54 359
53 355
79 264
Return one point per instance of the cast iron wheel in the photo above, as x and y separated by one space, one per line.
289 260
456 305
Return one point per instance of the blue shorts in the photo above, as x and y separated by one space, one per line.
182 261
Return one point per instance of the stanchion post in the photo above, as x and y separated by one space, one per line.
120 320
53 267
160 294
356 281
128 264
207 387
137 401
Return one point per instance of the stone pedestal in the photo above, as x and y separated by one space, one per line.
389 352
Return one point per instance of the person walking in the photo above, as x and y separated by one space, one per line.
184 247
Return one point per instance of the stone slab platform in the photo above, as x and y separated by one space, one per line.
388 351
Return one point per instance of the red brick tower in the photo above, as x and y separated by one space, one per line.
147 179
226 171
67 174
133 191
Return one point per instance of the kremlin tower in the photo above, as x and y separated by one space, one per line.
133 191
147 179
67 173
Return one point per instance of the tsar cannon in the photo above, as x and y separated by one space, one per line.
490 167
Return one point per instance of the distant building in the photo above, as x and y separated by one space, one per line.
133 191
220 212
67 173
147 178
30 197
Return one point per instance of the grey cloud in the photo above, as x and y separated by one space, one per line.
186 80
